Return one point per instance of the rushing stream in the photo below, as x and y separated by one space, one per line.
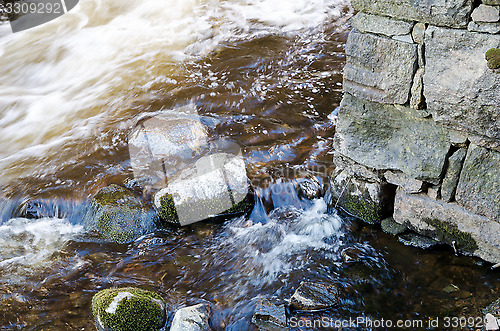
266 74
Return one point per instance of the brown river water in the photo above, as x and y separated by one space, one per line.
266 74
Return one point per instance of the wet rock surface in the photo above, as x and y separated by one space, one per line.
269 316
193 318
314 296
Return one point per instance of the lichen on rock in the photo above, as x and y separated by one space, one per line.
493 58
128 309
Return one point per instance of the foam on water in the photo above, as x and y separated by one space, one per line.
61 80
28 246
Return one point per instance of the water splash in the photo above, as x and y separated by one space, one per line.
29 246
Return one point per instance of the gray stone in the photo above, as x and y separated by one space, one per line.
398 178
193 318
313 296
492 28
434 192
450 223
369 201
355 169
268 315
457 78
418 33
450 180
372 72
479 185
388 137
407 38
117 214
380 25
493 308
458 138
485 13
390 226
214 185
417 100
452 13
421 56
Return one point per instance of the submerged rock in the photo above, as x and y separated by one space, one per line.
269 316
419 241
193 318
117 214
390 226
313 296
128 309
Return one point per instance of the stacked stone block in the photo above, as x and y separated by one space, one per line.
418 134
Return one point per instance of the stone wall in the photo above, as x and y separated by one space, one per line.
418 132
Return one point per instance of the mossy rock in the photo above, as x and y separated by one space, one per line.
128 309
449 233
168 211
117 214
493 58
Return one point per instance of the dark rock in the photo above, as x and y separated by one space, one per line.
309 188
128 309
313 296
194 318
268 315
390 226
116 214
369 201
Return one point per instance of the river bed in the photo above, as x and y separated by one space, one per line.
266 74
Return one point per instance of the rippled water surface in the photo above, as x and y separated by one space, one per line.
266 74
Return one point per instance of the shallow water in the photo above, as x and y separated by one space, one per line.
264 73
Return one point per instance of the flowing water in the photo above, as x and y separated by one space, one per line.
266 74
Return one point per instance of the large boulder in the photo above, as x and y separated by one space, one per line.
389 137
459 88
450 223
128 309
193 178
117 214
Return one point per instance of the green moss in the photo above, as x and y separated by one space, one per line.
450 233
144 310
167 210
493 58
368 212
244 206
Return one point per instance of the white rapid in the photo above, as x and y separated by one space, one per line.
63 80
